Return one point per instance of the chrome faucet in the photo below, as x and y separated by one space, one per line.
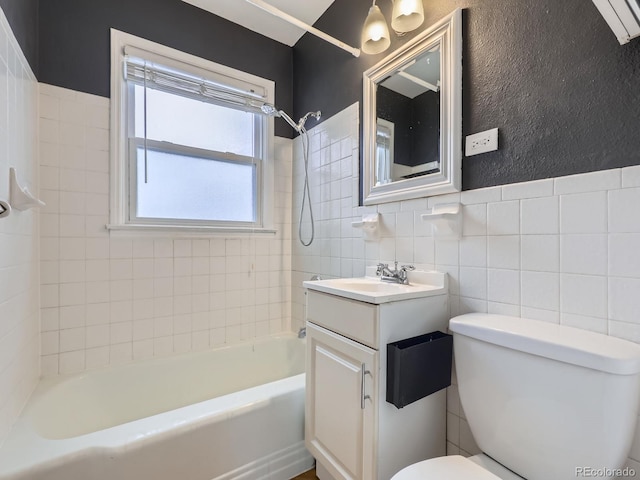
396 275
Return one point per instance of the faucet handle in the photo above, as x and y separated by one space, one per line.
407 268
381 268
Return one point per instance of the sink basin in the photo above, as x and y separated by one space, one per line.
371 289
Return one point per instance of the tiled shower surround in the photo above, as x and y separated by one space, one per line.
110 300
19 313
563 250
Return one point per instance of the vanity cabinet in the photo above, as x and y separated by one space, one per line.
350 429
341 380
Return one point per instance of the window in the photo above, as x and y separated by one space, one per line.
191 148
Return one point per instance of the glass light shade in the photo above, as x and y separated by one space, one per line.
375 33
407 15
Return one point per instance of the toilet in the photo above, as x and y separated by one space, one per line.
543 401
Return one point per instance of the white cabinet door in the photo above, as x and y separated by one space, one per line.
341 404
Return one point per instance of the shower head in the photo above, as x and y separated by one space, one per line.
269 110
303 120
272 111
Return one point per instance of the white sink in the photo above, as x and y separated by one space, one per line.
371 289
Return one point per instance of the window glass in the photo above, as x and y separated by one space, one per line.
187 187
194 123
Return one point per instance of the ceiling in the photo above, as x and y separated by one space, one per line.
422 76
251 17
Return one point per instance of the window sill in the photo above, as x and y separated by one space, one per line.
137 230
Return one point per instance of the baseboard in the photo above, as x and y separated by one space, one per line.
281 465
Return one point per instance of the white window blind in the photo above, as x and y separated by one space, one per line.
153 71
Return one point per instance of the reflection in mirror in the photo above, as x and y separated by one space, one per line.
412 122
408 120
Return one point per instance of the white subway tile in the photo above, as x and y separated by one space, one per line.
98 314
49 342
539 216
474 219
624 255
583 213
97 336
503 309
446 252
624 300
631 176
120 353
481 195
540 253
583 295
49 365
96 357
142 248
72 362
503 251
586 254
120 332
473 251
540 290
503 286
533 189
97 292
540 314
588 182
72 316
49 107
71 111
594 324
624 214
473 282
628 331
72 339
503 218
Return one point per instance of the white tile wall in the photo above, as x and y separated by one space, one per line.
19 312
564 250
110 300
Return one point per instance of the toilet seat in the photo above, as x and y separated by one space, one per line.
454 467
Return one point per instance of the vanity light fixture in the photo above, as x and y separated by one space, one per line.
407 15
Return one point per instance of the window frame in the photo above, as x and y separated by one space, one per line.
124 158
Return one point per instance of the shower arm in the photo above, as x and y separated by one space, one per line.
304 26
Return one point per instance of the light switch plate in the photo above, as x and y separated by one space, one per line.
482 142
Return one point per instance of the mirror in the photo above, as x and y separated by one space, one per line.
412 117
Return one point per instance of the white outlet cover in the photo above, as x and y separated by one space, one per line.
482 142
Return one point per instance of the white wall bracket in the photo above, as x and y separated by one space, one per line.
20 198
446 220
369 225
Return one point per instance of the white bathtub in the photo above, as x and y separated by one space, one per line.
230 413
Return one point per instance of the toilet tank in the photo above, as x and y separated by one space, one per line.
543 399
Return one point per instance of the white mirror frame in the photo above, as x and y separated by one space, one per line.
448 34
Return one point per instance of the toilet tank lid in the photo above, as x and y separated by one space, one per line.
557 342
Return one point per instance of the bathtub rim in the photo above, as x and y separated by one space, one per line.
17 451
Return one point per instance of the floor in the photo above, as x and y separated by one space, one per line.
310 475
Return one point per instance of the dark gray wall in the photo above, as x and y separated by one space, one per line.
23 19
416 125
550 74
74 43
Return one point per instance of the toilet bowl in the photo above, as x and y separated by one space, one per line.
527 389
456 467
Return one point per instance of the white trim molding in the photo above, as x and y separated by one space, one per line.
447 36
